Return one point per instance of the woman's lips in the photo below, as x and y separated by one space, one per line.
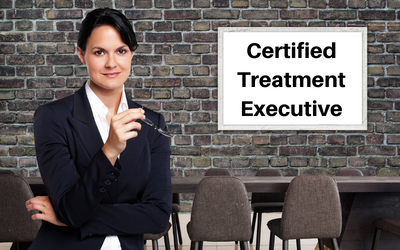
114 74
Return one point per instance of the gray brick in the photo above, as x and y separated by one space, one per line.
220 14
200 37
84 3
182 14
143 14
6 4
25 14
337 14
12 37
357 4
377 15
182 3
123 4
377 150
64 14
25 60
298 3
376 3
200 82
7 71
240 3
25 71
46 37
181 70
201 3
260 14
64 3
182 26
6 26
278 4
182 60
279 161
162 82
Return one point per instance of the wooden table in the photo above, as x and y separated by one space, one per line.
363 200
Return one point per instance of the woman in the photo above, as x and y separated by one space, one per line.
106 172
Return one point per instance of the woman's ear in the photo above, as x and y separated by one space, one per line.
81 55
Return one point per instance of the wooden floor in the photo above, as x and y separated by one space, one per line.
184 219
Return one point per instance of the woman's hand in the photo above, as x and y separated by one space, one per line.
43 204
122 128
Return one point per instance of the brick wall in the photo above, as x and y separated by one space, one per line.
174 71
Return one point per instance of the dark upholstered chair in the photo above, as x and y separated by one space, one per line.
176 228
311 210
155 237
220 212
218 172
264 203
16 223
388 225
349 172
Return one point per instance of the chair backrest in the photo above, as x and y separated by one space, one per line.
349 172
312 208
16 224
267 197
218 172
220 211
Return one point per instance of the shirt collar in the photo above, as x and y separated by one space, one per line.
123 105
98 106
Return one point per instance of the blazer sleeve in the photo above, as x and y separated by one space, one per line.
151 214
75 196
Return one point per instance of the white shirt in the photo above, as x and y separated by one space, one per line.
100 111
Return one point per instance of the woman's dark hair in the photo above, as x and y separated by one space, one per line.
106 16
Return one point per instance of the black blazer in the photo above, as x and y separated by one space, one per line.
90 195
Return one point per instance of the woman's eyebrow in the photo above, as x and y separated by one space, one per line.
96 47
100 48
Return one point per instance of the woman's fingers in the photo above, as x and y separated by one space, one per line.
38 207
38 203
123 127
128 116
43 205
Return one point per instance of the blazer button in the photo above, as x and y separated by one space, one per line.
103 190
107 182
111 175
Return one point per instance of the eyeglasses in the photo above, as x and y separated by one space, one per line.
151 124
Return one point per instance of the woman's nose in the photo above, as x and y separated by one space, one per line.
110 62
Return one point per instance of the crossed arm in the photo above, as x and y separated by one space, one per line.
120 131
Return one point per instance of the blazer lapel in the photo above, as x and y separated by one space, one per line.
85 127
83 123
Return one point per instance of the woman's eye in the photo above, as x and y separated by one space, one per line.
122 51
98 53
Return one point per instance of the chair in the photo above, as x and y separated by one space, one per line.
264 203
311 210
349 172
218 172
16 223
176 228
388 225
220 212
155 237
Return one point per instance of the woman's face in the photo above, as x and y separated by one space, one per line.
107 58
